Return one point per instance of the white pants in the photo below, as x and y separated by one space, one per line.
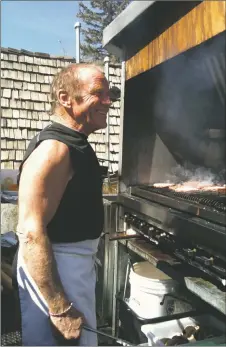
76 267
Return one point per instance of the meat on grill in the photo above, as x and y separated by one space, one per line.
163 185
193 186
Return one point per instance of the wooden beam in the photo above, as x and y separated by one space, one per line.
202 23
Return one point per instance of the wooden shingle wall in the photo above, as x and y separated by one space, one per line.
25 87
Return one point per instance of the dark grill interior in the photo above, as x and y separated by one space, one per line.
209 199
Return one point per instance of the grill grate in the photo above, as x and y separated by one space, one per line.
208 199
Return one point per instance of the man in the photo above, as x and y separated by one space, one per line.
61 213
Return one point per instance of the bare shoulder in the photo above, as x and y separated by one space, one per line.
43 180
49 153
52 149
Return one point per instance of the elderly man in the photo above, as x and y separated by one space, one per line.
61 214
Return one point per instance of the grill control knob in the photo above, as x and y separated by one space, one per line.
191 252
127 220
160 235
208 261
133 219
126 217
137 222
142 225
150 231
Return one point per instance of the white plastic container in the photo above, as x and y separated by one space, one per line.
148 286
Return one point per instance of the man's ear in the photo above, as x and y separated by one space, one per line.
63 98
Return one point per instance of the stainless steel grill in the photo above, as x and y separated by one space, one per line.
207 198
207 205
173 129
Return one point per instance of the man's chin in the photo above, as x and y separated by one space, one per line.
102 124
105 125
99 126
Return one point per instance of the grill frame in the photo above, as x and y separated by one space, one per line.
206 198
174 200
187 227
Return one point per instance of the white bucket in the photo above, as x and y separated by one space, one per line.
148 286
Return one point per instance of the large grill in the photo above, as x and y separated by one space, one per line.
209 205
207 198
173 129
189 225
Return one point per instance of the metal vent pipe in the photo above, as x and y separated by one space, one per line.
77 27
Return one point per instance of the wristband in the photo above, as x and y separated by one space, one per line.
61 313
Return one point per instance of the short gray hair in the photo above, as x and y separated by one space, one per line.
69 80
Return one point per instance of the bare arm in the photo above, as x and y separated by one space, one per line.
43 181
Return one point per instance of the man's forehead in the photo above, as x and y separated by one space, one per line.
87 73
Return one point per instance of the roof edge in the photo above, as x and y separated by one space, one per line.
10 50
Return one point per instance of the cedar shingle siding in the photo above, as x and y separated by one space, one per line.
25 87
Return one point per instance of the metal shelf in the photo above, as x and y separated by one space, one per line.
149 252
203 289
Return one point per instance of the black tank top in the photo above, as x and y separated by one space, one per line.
80 214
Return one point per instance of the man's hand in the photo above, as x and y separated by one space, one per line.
68 326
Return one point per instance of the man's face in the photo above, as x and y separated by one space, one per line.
93 107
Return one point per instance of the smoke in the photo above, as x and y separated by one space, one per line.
182 174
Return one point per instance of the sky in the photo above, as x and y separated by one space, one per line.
39 26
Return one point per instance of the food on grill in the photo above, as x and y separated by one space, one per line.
183 188
219 189
162 185
193 186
